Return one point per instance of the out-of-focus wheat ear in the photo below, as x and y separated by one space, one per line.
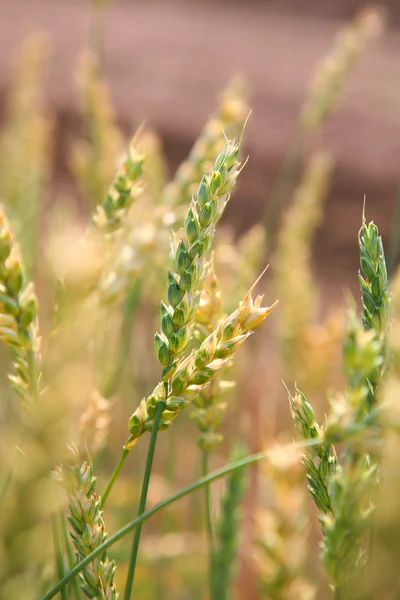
94 160
332 73
19 318
293 277
25 146
226 123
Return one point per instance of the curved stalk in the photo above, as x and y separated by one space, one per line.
114 476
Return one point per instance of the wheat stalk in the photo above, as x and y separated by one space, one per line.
294 280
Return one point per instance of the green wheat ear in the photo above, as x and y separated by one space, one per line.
88 529
375 296
373 278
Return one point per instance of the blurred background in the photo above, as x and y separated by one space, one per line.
166 64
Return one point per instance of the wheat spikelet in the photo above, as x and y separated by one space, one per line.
88 530
194 373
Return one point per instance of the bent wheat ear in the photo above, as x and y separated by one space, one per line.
194 373
18 318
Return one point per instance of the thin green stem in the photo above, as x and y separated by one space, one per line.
143 499
207 495
71 559
58 554
130 307
189 489
283 186
114 476
209 525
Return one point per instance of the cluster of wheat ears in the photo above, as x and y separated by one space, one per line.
98 283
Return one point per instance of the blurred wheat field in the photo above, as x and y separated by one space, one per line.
124 281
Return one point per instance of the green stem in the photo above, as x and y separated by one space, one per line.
282 187
209 526
71 559
131 303
207 494
143 498
114 476
59 556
